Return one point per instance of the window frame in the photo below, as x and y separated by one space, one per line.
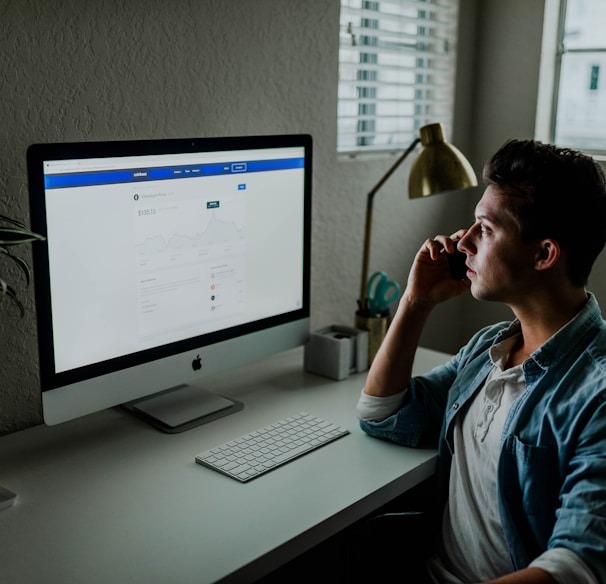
553 51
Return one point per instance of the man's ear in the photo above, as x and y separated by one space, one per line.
548 254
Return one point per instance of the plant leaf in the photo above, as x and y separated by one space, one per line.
12 221
21 263
10 292
17 236
15 233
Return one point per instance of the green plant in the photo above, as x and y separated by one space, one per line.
14 233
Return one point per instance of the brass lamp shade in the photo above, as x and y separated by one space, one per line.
439 166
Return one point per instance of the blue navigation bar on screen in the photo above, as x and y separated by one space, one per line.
133 175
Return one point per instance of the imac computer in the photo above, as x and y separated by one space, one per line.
166 262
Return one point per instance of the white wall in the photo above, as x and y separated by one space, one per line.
93 70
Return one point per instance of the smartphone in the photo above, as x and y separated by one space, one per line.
456 261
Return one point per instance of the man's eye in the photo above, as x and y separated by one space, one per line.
484 230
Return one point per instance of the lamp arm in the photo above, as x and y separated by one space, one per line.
368 226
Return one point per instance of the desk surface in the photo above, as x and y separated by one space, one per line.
106 498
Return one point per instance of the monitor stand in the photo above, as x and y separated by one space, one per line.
181 408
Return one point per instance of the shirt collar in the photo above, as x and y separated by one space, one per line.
500 351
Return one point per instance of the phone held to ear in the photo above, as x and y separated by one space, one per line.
456 261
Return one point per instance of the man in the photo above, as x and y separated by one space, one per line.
519 414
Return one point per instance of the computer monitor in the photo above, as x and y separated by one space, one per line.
166 262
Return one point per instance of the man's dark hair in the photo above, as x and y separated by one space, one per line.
561 195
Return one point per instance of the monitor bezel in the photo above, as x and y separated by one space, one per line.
37 154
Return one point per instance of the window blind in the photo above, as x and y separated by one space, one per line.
397 62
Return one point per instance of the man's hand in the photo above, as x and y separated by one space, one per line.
430 280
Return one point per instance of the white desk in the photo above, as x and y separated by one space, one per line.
107 498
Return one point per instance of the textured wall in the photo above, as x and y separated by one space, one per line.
93 70
110 69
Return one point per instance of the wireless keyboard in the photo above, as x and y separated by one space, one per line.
267 448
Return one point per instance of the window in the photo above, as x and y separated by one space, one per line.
580 108
396 71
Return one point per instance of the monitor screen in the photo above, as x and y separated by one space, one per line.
165 262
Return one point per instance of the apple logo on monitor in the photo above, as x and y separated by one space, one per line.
196 364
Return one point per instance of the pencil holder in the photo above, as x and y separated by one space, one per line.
377 329
336 351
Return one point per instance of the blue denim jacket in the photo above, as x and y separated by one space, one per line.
552 465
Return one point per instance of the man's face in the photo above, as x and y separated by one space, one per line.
501 266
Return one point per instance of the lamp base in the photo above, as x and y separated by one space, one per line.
377 329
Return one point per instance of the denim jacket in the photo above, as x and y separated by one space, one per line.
552 465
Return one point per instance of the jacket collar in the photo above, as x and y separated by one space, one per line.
587 322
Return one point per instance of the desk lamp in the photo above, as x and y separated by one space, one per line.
439 167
